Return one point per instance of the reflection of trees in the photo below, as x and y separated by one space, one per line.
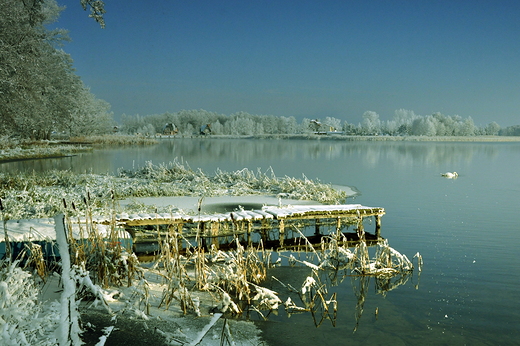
245 151
200 151
409 154
222 150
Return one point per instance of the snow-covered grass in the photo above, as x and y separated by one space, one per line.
41 150
27 195
16 149
24 320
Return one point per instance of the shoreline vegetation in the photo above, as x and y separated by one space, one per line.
12 150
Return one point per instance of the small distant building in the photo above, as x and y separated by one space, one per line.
205 129
169 129
320 128
315 125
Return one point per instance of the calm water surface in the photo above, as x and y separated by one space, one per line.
467 230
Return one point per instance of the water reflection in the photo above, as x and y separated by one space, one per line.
405 153
207 153
321 290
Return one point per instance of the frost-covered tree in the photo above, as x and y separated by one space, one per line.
259 128
92 116
333 122
371 123
492 129
38 85
349 129
404 119
423 126
147 130
289 125
467 127
97 10
303 127
510 131
217 128
189 130
241 124
130 123
390 127
270 124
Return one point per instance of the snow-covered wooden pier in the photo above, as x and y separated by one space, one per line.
276 226
270 222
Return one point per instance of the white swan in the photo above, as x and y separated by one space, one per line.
450 175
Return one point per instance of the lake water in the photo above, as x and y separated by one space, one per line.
466 229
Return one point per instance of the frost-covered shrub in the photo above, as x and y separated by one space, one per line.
23 321
6 142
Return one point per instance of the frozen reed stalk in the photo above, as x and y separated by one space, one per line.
309 244
419 261
6 236
36 259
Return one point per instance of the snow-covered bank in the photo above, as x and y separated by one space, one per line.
26 195
40 151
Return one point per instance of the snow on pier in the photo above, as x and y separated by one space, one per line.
266 213
148 228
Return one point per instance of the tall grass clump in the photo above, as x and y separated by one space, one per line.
101 253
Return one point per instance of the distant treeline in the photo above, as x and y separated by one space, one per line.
404 122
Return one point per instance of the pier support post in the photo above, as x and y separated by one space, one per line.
249 230
214 234
378 226
281 227
266 225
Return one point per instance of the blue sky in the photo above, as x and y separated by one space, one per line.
302 58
